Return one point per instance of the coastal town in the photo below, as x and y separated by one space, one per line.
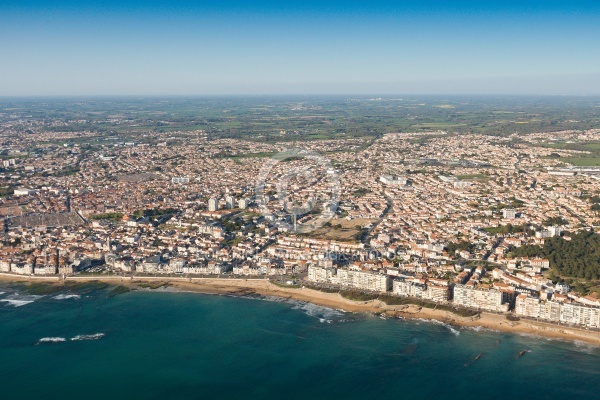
434 216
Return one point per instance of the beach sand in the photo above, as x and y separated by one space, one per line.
241 287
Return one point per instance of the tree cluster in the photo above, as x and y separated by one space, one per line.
578 257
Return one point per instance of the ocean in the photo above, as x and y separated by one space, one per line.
168 345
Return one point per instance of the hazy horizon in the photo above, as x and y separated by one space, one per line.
206 48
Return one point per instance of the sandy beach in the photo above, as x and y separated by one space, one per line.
334 300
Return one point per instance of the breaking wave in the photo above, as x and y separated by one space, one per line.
323 314
16 300
95 336
66 296
58 339
451 328
586 347
51 340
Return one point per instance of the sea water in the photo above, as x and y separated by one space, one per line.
167 345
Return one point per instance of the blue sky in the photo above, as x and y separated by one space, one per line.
158 47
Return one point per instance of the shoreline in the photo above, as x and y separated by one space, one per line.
241 287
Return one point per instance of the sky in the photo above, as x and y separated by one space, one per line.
159 47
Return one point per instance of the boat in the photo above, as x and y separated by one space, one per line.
522 352
478 357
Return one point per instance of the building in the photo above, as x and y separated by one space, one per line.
393 181
364 280
481 298
408 288
566 313
550 310
527 306
176 265
575 314
242 204
461 184
321 274
437 293
509 213
229 202
213 204
180 179
23 192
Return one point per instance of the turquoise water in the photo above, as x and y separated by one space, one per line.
190 346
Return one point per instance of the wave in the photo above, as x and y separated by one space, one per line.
59 339
18 301
51 340
586 347
95 336
451 328
324 314
479 329
66 296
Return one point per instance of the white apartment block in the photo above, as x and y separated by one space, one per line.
437 293
4 266
364 280
391 180
484 299
576 314
567 313
321 274
213 204
350 278
407 288
527 306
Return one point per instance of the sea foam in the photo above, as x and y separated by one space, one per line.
51 340
586 347
19 301
452 329
95 336
323 314
66 296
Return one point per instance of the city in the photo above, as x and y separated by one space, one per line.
459 219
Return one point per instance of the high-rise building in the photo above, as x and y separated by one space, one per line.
229 202
213 204
509 213
477 297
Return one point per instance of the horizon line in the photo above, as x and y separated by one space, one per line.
379 95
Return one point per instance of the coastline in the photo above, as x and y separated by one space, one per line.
241 286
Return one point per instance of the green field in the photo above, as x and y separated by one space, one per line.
311 117
472 177
583 161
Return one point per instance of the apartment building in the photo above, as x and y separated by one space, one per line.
321 274
482 298
408 288
350 278
567 313
364 280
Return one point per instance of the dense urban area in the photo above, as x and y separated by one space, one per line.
493 211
